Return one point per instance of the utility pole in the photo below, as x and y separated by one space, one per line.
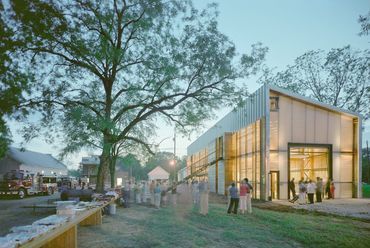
368 162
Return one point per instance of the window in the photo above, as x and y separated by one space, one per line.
274 103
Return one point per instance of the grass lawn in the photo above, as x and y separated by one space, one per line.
184 227
366 190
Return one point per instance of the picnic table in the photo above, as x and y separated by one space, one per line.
66 234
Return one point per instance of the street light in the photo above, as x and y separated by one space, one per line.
173 164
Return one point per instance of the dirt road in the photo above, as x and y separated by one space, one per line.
12 212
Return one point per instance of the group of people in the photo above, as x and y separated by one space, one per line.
200 192
155 194
240 197
152 193
310 188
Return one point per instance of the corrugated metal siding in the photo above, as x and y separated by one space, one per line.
253 109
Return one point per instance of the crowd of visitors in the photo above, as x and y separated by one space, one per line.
156 194
311 188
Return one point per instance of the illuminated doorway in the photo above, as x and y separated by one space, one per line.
274 185
309 161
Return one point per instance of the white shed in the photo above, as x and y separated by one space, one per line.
158 173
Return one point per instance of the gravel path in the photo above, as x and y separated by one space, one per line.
358 208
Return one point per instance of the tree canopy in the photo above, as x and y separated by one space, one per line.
364 21
105 71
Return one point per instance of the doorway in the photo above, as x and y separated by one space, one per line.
309 161
274 185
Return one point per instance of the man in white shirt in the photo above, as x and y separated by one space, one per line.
311 189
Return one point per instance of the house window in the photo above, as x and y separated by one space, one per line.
274 103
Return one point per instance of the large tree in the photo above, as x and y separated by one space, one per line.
108 67
13 82
340 77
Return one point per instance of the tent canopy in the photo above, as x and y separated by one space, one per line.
158 173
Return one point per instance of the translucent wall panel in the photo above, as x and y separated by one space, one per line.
212 178
274 129
334 131
321 126
346 134
336 167
299 122
310 129
285 123
212 151
346 168
221 178
249 139
274 161
345 176
283 168
243 167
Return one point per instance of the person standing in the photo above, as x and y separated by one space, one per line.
195 191
332 190
249 195
292 190
174 194
151 190
311 188
327 188
228 194
302 192
203 192
138 191
234 199
126 196
157 196
318 189
243 196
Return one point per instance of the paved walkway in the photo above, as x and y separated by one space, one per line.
359 208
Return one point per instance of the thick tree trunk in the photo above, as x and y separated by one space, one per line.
104 165
112 168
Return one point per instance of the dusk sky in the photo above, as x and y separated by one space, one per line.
288 28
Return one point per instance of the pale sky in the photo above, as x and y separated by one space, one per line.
288 28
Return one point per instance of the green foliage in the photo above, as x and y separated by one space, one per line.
132 165
366 190
164 159
365 166
74 173
364 20
340 77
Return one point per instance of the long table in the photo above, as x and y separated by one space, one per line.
66 234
